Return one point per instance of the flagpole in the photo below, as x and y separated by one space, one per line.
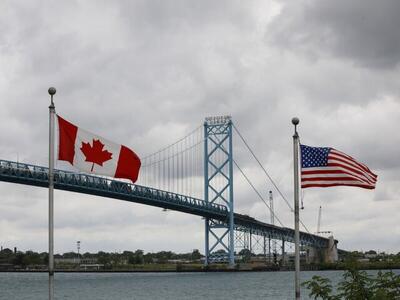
52 110
295 122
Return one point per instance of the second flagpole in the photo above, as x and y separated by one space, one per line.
295 122
52 110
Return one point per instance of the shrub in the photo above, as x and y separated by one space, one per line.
356 285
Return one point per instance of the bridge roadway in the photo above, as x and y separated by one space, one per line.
94 185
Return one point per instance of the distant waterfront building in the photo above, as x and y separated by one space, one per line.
75 261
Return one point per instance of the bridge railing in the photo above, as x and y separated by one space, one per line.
39 175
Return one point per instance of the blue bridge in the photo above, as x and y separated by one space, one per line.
225 229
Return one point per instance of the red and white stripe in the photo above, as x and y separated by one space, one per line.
123 162
341 169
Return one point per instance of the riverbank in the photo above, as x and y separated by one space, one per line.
158 268
191 268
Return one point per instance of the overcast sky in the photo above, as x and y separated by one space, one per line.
144 73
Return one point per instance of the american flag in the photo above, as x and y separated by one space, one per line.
324 167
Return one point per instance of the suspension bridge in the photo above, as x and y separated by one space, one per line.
194 175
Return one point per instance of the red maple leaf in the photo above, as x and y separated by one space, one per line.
95 153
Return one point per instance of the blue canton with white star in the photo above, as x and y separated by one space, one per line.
314 156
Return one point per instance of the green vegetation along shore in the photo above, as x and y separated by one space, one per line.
167 261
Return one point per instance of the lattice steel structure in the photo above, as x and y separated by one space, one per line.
16 172
218 184
105 187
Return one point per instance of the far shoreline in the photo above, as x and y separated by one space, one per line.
214 270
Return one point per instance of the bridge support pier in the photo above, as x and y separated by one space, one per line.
207 242
251 242
314 255
331 253
265 247
269 249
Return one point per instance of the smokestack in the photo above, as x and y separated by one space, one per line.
15 250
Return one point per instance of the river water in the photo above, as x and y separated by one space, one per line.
174 286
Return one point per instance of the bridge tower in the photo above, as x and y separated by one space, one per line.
218 184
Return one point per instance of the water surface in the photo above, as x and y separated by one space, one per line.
174 286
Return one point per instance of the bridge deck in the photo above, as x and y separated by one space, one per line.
94 185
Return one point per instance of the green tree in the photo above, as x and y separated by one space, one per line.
6 256
246 254
45 258
70 255
195 254
320 288
386 285
18 259
139 257
357 285
103 258
136 257
31 258
148 258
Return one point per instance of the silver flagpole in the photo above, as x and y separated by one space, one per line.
295 122
52 110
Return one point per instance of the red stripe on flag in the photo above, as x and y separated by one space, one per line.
128 164
344 178
67 137
306 172
349 158
365 186
333 173
335 176
362 175
352 164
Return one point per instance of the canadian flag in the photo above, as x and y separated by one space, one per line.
93 154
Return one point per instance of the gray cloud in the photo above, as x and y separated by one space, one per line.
364 32
144 73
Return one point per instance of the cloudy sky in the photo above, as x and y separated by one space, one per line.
144 73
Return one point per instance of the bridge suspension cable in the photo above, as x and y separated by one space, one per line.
267 174
177 167
253 186
173 144
257 192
